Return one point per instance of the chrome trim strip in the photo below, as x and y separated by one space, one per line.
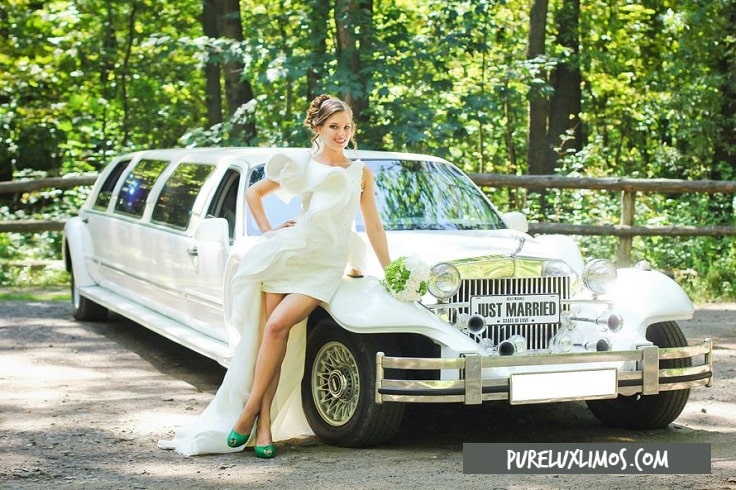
204 300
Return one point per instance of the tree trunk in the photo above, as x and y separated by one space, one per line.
6 167
564 132
238 90
724 151
213 88
124 70
354 29
318 21
538 107
107 61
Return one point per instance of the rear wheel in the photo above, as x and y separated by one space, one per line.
338 388
84 309
648 411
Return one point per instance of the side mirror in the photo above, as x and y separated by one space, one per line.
516 221
212 230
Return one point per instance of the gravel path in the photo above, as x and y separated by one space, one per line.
83 404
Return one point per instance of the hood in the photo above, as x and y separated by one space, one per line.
451 245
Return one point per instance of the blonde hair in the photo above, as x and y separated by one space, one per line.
322 108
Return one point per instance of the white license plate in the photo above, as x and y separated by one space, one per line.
563 386
517 309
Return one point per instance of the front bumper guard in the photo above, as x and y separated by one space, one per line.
473 389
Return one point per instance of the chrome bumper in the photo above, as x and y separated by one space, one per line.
473 389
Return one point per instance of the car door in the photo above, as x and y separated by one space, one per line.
98 220
208 250
183 263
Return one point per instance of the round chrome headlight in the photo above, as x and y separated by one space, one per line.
599 275
444 280
556 268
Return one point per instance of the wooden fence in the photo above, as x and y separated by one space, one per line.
30 185
625 230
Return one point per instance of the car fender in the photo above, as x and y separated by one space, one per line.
564 248
76 243
645 297
362 305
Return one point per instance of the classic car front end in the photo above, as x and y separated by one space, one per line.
529 329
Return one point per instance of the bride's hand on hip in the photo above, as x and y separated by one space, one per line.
286 224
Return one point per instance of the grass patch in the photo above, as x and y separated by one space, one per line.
35 294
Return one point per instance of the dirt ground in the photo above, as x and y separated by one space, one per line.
83 404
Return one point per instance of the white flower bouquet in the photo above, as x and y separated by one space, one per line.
406 278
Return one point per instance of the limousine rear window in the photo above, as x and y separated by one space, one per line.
137 186
105 194
174 204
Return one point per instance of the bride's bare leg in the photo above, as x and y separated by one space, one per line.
263 431
247 417
289 310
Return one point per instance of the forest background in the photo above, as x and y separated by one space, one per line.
570 87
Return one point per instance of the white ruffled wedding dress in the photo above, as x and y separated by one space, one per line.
308 258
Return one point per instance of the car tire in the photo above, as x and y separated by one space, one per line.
84 309
641 412
338 388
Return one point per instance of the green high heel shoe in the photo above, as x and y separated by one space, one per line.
265 452
236 439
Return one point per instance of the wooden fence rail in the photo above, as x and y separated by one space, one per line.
625 230
30 185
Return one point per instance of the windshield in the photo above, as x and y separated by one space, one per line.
418 195
410 195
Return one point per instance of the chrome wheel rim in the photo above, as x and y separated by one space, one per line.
335 384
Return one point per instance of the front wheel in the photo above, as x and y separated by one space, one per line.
338 388
648 411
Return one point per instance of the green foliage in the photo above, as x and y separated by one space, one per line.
83 80
30 248
703 266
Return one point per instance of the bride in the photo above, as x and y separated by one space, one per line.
279 282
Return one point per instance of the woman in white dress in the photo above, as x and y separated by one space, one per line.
298 266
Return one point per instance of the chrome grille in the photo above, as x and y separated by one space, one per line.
537 334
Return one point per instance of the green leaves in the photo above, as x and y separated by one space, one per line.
82 80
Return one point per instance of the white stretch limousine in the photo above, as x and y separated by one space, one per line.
508 316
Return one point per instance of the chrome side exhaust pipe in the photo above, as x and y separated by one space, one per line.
516 344
477 324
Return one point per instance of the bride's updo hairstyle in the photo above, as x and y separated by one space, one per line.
322 107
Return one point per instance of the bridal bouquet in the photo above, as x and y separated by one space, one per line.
406 278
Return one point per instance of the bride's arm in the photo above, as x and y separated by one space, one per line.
254 197
371 219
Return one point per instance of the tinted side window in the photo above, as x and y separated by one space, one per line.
105 194
137 186
225 202
174 204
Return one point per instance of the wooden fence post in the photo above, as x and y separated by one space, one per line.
628 203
